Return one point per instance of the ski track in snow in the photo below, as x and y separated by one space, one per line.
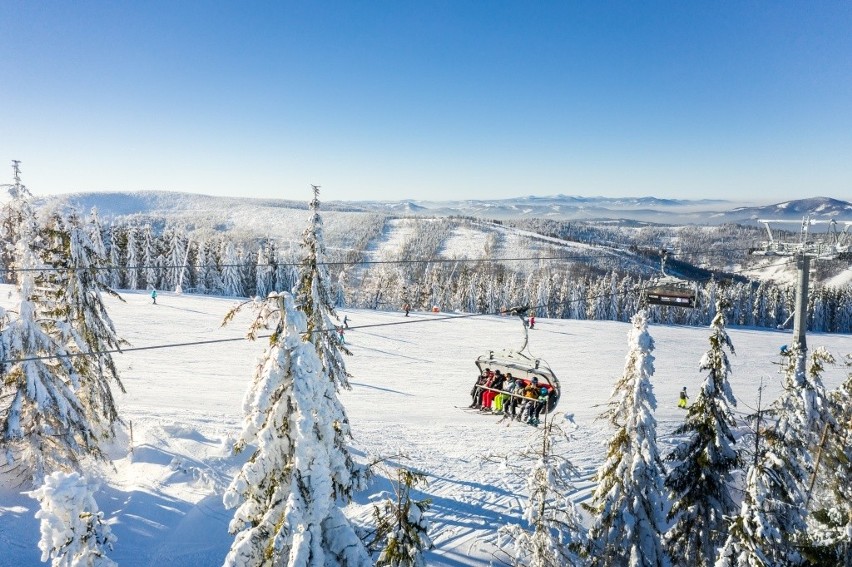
163 499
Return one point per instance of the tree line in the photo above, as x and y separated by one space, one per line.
594 287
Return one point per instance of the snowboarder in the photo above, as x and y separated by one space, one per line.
154 295
684 398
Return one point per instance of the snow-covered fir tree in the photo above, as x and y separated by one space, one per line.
313 296
112 277
151 258
753 533
700 480
43 426
14 215
232 279
74 291
95 233
135 270
286 495
176 269
313 299
265 273
771 526
830 499
73 531
402 530
628 503
554 536
209 277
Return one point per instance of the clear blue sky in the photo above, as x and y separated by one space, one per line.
429 100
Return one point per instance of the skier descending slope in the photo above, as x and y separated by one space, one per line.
287 513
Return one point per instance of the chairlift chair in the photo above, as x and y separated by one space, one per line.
521 364
669 290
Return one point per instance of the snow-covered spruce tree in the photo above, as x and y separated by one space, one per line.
151 272
74 291
265 272
43 425
95 233
699 482
771 526
112 276
402 530
285 495
628 504
555 536
135 272
73 533
313 297
830 503
232 280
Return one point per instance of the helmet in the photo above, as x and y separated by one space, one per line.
535 380
544 390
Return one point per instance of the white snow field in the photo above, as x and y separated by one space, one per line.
163 499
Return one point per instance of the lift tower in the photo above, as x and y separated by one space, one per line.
829 246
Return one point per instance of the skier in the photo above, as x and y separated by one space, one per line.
681 403
532 321
154 295
476 391
345 321
340 336
538 406
406 308
530 394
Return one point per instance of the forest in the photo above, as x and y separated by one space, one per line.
576 270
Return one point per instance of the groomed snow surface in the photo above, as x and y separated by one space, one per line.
163 499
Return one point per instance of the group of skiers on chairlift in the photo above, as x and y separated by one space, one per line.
515 398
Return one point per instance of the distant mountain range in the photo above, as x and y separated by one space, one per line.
558 207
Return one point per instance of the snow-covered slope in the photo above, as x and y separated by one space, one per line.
163 498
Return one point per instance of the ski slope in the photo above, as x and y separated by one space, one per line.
163 496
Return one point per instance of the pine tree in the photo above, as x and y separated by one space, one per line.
73 533
401 525
628 503
705 461
286 493
555 536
